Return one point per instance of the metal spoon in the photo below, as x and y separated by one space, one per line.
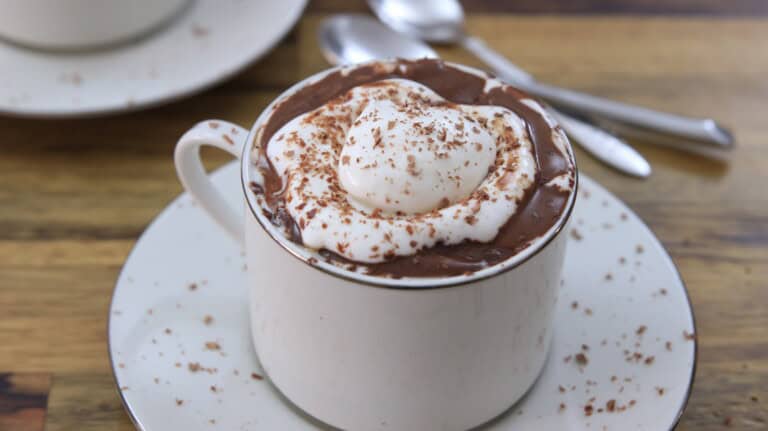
443 21
347 39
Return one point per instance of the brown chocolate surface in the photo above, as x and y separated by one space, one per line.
538 211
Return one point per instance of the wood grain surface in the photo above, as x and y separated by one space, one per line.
76 194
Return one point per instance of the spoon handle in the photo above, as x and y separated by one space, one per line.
604 146
496 61
607 148
647 121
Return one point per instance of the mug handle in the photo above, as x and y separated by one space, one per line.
224 136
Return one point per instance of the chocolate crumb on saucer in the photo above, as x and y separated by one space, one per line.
581 359
575 234
212 345
588 410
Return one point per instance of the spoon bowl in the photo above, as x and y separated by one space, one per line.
350 39
440 21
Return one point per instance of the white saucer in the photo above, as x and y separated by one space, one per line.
618 279
209 41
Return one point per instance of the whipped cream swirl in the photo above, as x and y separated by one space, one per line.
390 168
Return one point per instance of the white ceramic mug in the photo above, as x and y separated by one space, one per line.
82 24
368 353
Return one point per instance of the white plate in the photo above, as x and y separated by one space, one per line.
617 279
209 41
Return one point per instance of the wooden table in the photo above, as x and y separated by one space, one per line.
75 194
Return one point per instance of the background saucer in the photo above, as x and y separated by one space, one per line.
623 353
209 42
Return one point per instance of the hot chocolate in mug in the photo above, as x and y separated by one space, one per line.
373 344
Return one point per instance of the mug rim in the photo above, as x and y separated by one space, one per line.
303 254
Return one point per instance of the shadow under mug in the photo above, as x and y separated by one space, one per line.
368 353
